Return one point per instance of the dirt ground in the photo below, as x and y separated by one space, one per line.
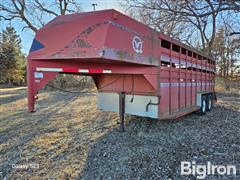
68 138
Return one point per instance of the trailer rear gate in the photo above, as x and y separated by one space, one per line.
157 76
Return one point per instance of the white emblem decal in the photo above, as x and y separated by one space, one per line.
137 44
38 74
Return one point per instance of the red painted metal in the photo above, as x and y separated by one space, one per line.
118 51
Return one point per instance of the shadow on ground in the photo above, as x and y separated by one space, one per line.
155 149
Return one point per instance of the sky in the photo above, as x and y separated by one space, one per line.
27 35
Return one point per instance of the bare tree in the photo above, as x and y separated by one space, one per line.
186 17
226 50
35 13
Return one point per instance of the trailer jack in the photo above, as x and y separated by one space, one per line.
122 109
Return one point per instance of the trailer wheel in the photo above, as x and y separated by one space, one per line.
203 108
209 102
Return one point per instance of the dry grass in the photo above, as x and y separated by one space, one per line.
227 86
69 138
57 137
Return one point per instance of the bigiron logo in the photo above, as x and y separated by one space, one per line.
201 171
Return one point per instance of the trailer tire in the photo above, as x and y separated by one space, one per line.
209 102
203 108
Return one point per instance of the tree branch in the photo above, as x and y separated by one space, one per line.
41 7
31 10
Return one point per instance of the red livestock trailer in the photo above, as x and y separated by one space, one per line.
136 69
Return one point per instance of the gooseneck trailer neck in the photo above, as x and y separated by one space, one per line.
136 70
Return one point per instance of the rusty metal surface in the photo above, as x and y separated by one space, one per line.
122 55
